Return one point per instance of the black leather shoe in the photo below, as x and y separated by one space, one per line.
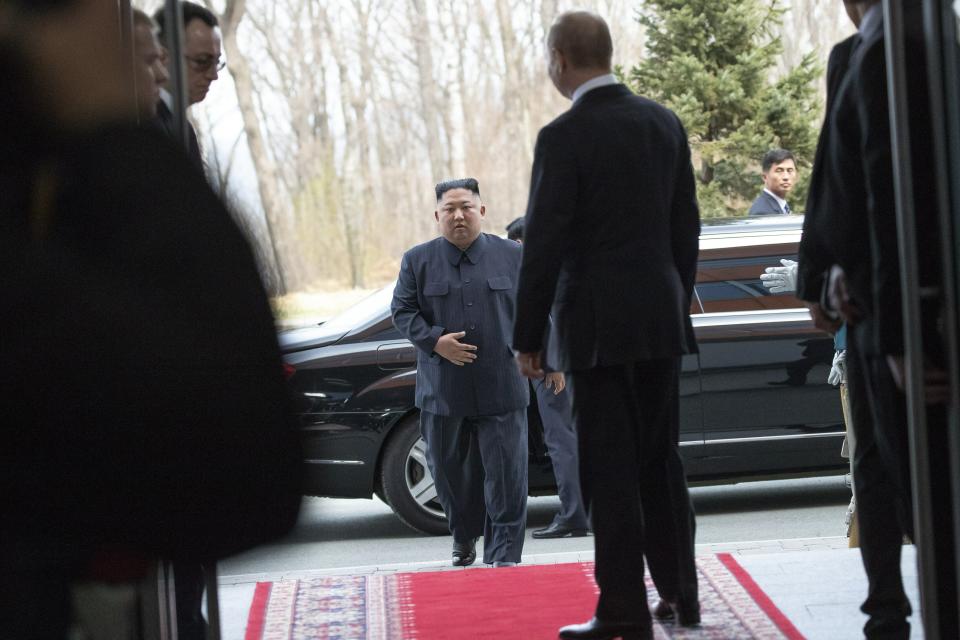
464 553
600 630
559 531
682 614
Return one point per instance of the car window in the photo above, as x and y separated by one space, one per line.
727 282
372 308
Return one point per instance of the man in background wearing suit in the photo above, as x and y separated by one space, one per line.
202 49
611 243
202 53
779 175
149 71
454 300
560 436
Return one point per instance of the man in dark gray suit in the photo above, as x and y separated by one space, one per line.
611 244
454 300
560 436
779 176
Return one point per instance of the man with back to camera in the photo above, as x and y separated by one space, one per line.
860 233
556 415
612 233
779 176
202 50
455 301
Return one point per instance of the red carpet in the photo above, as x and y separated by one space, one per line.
525 602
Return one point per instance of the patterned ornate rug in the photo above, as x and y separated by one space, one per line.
525 602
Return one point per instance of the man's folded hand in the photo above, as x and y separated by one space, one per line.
450 348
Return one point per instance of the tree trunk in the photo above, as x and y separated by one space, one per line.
274 208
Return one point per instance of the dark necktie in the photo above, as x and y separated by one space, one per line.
786 208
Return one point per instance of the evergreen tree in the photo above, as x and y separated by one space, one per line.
712 62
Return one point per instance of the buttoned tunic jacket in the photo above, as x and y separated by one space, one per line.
442 289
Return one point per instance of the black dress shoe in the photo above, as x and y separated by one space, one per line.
464 553
600 630
559 531
685 616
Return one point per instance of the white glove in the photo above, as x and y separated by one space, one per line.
781 279
838 372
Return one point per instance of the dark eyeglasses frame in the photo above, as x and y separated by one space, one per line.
205 64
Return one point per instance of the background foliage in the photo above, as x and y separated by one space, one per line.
335 118
712 63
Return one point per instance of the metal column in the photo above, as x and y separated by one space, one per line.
942 37
934 608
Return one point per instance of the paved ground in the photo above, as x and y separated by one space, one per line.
350 533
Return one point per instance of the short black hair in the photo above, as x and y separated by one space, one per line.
776 156
191 11
470 184
516 228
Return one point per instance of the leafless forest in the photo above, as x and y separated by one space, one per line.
335 118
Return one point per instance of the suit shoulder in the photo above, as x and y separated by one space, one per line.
762 205
502 244
423 249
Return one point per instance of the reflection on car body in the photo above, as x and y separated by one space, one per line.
754 401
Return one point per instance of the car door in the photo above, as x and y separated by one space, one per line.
767 407
691 407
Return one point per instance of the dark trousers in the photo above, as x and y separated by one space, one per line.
881 473
634 485
556 414
479 466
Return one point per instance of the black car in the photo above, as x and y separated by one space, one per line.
754 402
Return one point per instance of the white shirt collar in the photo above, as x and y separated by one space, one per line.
780 201
167 98
593 83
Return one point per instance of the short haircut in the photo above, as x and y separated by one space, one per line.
191 12
584 38
470 184
141 19
516 228
776 156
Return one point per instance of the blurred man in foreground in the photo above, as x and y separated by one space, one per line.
145 410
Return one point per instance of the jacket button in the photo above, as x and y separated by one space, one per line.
467 281
469 304
472 327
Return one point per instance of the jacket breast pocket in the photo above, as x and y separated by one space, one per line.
432 289
500 283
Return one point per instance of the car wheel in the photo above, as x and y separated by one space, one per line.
407 482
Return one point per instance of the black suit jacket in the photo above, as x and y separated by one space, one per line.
765 205
865 240
814 255
611 240
164 122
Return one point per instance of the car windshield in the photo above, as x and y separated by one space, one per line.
372 308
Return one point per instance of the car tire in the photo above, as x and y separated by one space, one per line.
406 481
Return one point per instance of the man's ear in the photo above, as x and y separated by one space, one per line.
483 210
436 214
